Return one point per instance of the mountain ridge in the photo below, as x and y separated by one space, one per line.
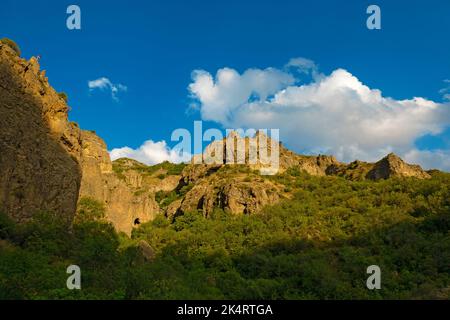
49 163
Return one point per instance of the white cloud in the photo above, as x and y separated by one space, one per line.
430 159
446 90
150 153
334 114
104 83
229 90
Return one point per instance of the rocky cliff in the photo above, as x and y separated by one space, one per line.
39 169
123 204
47 162
389 167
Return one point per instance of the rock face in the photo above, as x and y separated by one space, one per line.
241 190
237 188
238 149
393 166
38 162
389 167
123 204
47 162
227 189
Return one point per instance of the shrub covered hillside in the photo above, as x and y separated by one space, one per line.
315 245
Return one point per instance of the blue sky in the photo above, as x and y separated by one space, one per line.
153 47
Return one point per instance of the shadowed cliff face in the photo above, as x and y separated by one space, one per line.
48 163
38 171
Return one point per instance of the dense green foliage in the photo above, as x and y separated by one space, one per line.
10 43
316 245
165 198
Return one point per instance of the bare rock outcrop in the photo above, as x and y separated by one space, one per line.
39 171
123 204
389 167
227 188
393 166
235 149
47 162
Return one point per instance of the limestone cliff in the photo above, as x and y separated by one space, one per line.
47 162
123 204
237 189
38 169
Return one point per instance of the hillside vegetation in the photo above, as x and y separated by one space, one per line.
315 245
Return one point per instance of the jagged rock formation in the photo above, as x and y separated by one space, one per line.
388 167
99 181
232 182
239 153
393 166
38 171
47 162
241 190
235 189
321 165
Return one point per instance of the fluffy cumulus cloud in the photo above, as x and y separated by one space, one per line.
430 159
220 97
335 113
104 83
150 153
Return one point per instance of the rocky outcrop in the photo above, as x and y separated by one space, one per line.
315 165
123 204
236 193
39 170
389 167
393 166
47 162
239 189
236 150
